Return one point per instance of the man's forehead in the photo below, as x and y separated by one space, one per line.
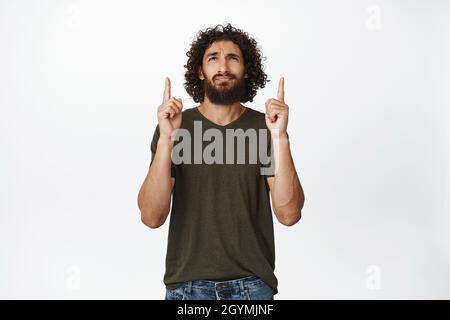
224 46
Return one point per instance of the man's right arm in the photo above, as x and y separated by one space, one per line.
156 191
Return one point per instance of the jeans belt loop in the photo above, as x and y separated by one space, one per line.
189 287
241 287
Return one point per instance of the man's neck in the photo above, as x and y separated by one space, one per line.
220 114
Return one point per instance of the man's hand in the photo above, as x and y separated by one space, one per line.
169 113
277 112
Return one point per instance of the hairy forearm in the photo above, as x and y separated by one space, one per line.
287 194
156 191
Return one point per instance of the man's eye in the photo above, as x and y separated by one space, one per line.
212 58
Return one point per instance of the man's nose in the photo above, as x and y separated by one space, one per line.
223 65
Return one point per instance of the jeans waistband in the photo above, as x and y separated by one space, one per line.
214 284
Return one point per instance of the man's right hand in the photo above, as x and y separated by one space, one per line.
169 113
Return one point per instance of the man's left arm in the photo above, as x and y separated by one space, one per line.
285 188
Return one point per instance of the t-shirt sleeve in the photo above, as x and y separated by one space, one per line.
153 147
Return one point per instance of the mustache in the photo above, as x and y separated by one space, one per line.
224 75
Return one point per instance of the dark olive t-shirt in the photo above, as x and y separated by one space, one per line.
221 225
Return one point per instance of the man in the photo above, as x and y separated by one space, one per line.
221 241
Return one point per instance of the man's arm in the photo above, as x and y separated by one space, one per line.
156 191
285 188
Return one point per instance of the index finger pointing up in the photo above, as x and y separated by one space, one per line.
166 95
281 90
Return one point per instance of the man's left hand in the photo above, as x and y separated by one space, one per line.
277 112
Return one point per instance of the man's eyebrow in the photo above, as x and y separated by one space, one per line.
233 55
215 53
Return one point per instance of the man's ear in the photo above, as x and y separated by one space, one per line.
200 74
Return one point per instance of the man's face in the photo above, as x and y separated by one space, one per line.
223 73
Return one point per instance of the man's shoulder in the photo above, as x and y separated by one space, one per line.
254 112
189 111
257 116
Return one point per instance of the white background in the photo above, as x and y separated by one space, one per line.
367 83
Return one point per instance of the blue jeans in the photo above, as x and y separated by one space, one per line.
248 288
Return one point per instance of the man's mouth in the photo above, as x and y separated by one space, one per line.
223 78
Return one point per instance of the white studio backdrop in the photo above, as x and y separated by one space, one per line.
367 83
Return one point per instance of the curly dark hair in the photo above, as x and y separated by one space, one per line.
256 78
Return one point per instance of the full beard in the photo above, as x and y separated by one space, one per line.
225 94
